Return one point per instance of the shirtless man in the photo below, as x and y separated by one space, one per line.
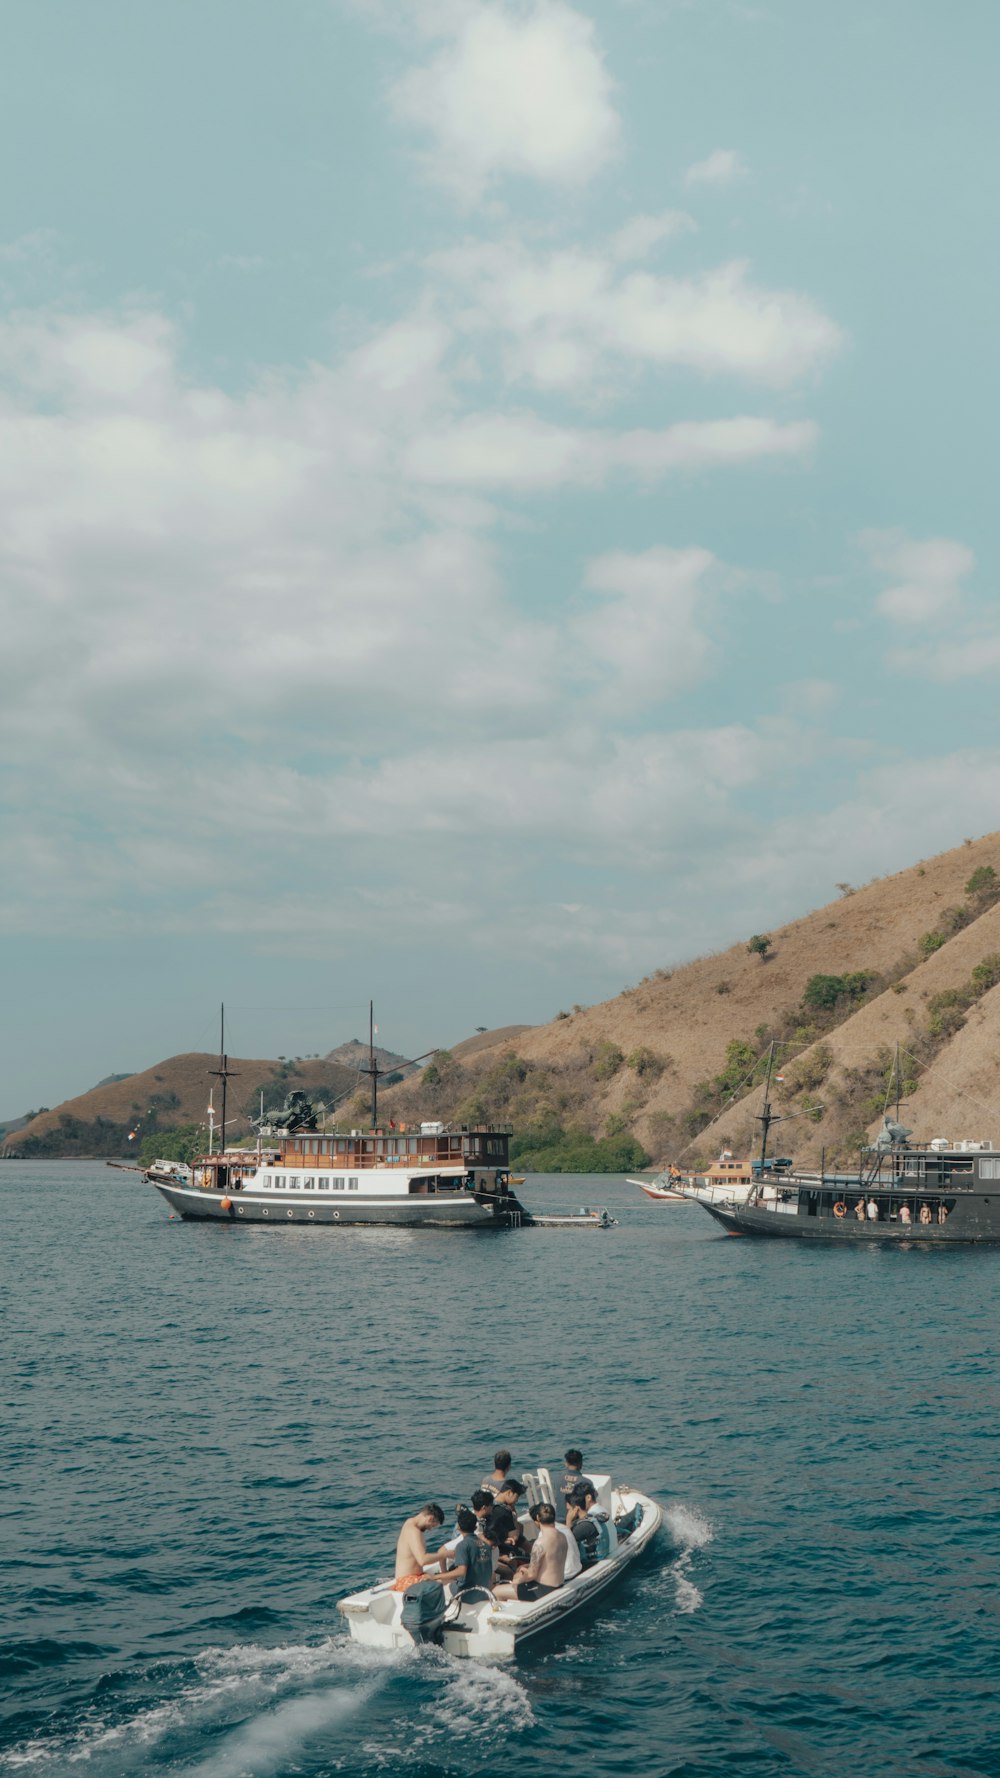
547 1568
411 1550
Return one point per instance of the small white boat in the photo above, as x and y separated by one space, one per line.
664 1188
477 1625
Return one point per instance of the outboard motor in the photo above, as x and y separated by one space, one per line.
424 1608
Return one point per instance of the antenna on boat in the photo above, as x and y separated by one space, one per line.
223 1073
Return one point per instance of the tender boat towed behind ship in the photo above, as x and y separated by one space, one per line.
727 1180
477 1625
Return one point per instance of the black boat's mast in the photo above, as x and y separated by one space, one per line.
766 1120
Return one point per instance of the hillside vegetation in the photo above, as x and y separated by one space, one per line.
671 1069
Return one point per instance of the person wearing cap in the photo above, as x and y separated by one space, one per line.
509 1494
512 1547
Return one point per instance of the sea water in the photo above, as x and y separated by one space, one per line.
212 1432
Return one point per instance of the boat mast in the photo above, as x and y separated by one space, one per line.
766 1120
223 1073
372 1064
897 1080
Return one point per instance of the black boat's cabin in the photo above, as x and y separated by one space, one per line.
917 1187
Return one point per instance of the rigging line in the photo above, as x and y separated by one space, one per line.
964 1092
782 1044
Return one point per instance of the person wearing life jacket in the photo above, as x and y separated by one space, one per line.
590 1525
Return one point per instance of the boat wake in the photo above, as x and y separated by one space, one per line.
690 1531
255 1712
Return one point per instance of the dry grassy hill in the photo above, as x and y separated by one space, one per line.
670 1063
175 1092
641 1064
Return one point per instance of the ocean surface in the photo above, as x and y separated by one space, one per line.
211 1433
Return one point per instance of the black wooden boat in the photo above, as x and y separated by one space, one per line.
941 1192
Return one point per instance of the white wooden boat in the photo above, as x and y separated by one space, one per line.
429 1177
477 1625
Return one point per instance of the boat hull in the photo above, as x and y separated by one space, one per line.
495 1629
658 1193
463 1211
967 1222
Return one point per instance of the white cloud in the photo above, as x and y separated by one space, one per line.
649 628
637 237
204 589
927 576
722 167
582 305
523 451
513 93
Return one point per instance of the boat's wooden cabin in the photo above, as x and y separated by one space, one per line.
727 1171
481 1151
480 1147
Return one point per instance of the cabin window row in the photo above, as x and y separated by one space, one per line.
295 1182
382 1145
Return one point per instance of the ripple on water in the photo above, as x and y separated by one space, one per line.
215 1441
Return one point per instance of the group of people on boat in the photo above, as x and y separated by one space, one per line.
490 1546
869 1211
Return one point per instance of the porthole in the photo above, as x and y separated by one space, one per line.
336 1216
264 1210
291 1213
311 1214
239 1209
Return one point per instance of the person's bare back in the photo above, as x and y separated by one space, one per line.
411 1549
548 1566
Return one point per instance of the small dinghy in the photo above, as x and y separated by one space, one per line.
478 1626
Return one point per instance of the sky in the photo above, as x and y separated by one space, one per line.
496 498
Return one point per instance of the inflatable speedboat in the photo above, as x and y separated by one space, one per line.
476 1624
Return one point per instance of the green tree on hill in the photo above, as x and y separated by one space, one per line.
181 1144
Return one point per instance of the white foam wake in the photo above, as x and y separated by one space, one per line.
267 1744
690 1531
229 1680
